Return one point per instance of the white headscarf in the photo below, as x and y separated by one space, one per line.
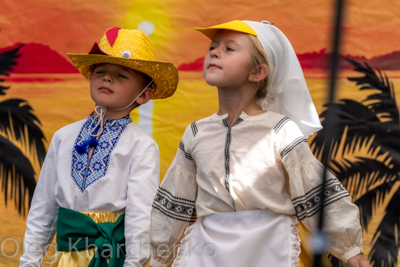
287 91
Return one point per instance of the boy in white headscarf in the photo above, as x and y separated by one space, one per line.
245 175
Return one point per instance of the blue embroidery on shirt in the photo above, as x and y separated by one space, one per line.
85 173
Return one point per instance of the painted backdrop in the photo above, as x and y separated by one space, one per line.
40 91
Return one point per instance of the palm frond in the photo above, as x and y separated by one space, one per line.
7 61
371 200
383 104
17 119
370 80
376 116
385 248
3 88
373 125
353 117
17 173
368 181
370 170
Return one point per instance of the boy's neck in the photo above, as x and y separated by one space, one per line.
115 114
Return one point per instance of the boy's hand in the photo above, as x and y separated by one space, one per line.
358 261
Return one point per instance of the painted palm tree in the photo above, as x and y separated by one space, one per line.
20 138
365 156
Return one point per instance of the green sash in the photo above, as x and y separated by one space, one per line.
78 232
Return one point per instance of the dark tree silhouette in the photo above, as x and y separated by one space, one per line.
17 125
370 127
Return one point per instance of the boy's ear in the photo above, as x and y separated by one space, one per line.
145 96
259 73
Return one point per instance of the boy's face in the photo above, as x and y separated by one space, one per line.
114 86
228 62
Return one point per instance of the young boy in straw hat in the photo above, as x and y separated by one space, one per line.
100 174
243 177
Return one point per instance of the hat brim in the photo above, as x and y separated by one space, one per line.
164 74
235 25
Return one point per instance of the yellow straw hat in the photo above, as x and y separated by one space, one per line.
132 49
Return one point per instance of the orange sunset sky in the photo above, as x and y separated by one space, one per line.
371 27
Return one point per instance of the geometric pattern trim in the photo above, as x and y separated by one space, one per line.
174 207
310 204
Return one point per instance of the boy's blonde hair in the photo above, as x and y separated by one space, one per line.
259 57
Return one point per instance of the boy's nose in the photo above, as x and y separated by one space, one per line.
107 78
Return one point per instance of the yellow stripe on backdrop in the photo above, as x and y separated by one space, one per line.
68 26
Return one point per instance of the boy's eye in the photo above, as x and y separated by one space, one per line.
211 48
230 49
122 76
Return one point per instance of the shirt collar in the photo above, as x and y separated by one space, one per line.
111 122
243 115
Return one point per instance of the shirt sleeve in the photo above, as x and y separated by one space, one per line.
142 186
173 206
305 174
42 217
